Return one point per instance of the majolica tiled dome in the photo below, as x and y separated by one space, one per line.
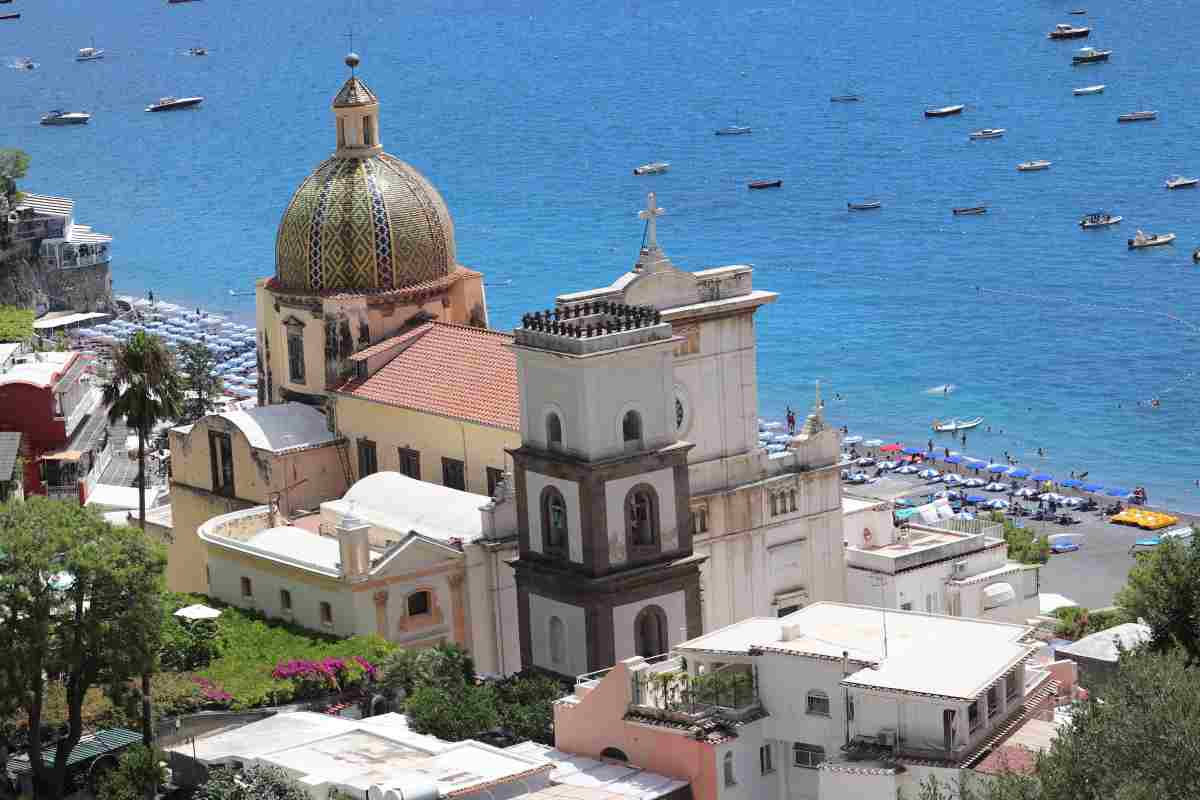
363 222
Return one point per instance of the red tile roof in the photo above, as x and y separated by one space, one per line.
389 343
450 370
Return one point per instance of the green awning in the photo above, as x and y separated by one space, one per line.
88 748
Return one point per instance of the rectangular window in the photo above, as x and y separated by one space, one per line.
993 701
906 606
295 345
785 610
285 599
220 451
326 614
808 756
1010 685
818 704
973 716
247 587
764 760
494 476
454 474
410 463
368 464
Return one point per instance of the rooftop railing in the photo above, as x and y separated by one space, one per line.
666 690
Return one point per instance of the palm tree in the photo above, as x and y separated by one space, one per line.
144 388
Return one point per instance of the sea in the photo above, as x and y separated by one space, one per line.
529 116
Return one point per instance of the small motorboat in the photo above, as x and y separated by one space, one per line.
1033 166
969 210
866 205
1141 240
10 16
1180 182
173 103
773 183
60 117
197 51
733 130
1099 220
944 111
653 168
1138 116
1065 30
1078 11
1196 255
846 98
949 426
1097 89
1090 55
89 54
24 63
988 133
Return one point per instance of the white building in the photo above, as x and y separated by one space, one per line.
414 562
935 563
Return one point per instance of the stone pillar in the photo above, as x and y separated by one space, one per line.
381 615
457 597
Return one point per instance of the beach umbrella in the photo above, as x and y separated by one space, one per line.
1019 472
776 448
953 480
1072 502
890 448
1118 492
912 451
908 469
769 426
976 498
998 504
974 463
996 486
865 462
873 442
953 458
1092 487
947 494
889 464
1052 496
1026 492
852 440
1041 476
997 468
929 474
973 483
1072 483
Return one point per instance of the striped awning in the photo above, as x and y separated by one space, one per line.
89 747
83 234
48 204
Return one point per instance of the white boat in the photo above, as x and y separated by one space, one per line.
60 117
1138 116
988 133
172 103
1180 182
1033 166
89 54
1099 219
1065 30
955 424
653 168
24 63
733 130
1097 89
944 111
1141 240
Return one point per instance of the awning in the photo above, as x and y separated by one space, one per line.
65 320
998 594
89 747
63 455
197 611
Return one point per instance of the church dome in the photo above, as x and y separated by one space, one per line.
363 220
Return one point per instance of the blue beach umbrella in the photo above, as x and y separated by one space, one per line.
1092 487
997 468
1072 483
976 498
1117 492
953 459
912 451
1019 472
1041 476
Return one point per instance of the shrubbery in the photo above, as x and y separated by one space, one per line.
1075 622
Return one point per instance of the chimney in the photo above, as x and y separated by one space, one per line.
353 535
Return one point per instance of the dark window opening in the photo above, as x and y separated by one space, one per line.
642 517
285 599
368 461
220 450
410 463
494 476
554 434
418 604
454 474
631 427
295 346
554 521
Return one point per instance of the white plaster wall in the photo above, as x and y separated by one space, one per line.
862 588
673 605
879 521
925 588
663 482
838 785
534 483
784 682
541 609
225 584
751 783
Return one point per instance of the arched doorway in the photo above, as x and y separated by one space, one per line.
650 632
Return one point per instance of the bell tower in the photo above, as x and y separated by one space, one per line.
605 568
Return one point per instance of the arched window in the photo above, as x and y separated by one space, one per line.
614 753
631 427
650 632
341 132
558 641
418 603
369 131
730 779
326 614
553 431
554 520
641 517
817 703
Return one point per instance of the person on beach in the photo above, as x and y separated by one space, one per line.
931 445
791 421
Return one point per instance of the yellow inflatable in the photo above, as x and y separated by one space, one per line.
1142 518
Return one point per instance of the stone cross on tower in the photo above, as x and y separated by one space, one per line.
650 214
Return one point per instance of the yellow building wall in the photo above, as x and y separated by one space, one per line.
434 437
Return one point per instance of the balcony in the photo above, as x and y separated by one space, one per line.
75 257
663 689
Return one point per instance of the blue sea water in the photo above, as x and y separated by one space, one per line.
529 117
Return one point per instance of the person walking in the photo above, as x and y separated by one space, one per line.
791 421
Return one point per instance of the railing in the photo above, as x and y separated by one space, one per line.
100 254
730 692
590 680
63 491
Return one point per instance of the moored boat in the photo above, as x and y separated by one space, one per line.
60 117
1180 182
24 63
733 130
1196 255
1099 219
197 51
1033 166
173 103
773 183
1138 116
10 16
944 111
1065 30
866 205
845 98
653 168
1097 89
969 210
89 54
955 424
1090 55
1141 240
1078 11
988 133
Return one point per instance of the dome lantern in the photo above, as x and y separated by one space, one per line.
356 115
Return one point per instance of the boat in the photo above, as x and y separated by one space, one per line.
197 51
24 63
60 117
988 133
955 424
1196 255
733 130
1141 240
845 98
172 103
89 53
653 168
1033 166
1099 219
1090 55
10 16
866 205
176 2
1097 89
968 210
773 183
1065 30
1180 182
1138 116
944 111
1078 11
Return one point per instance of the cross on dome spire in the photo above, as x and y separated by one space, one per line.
650 214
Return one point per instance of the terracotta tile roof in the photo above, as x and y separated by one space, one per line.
387 344
450 370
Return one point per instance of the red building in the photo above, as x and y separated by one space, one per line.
46 397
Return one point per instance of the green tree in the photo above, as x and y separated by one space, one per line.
1005 786
446 666
1163 589
262 782
452 714
1024 545
201 383
526 705
137 776
13 165
16 324
79 601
